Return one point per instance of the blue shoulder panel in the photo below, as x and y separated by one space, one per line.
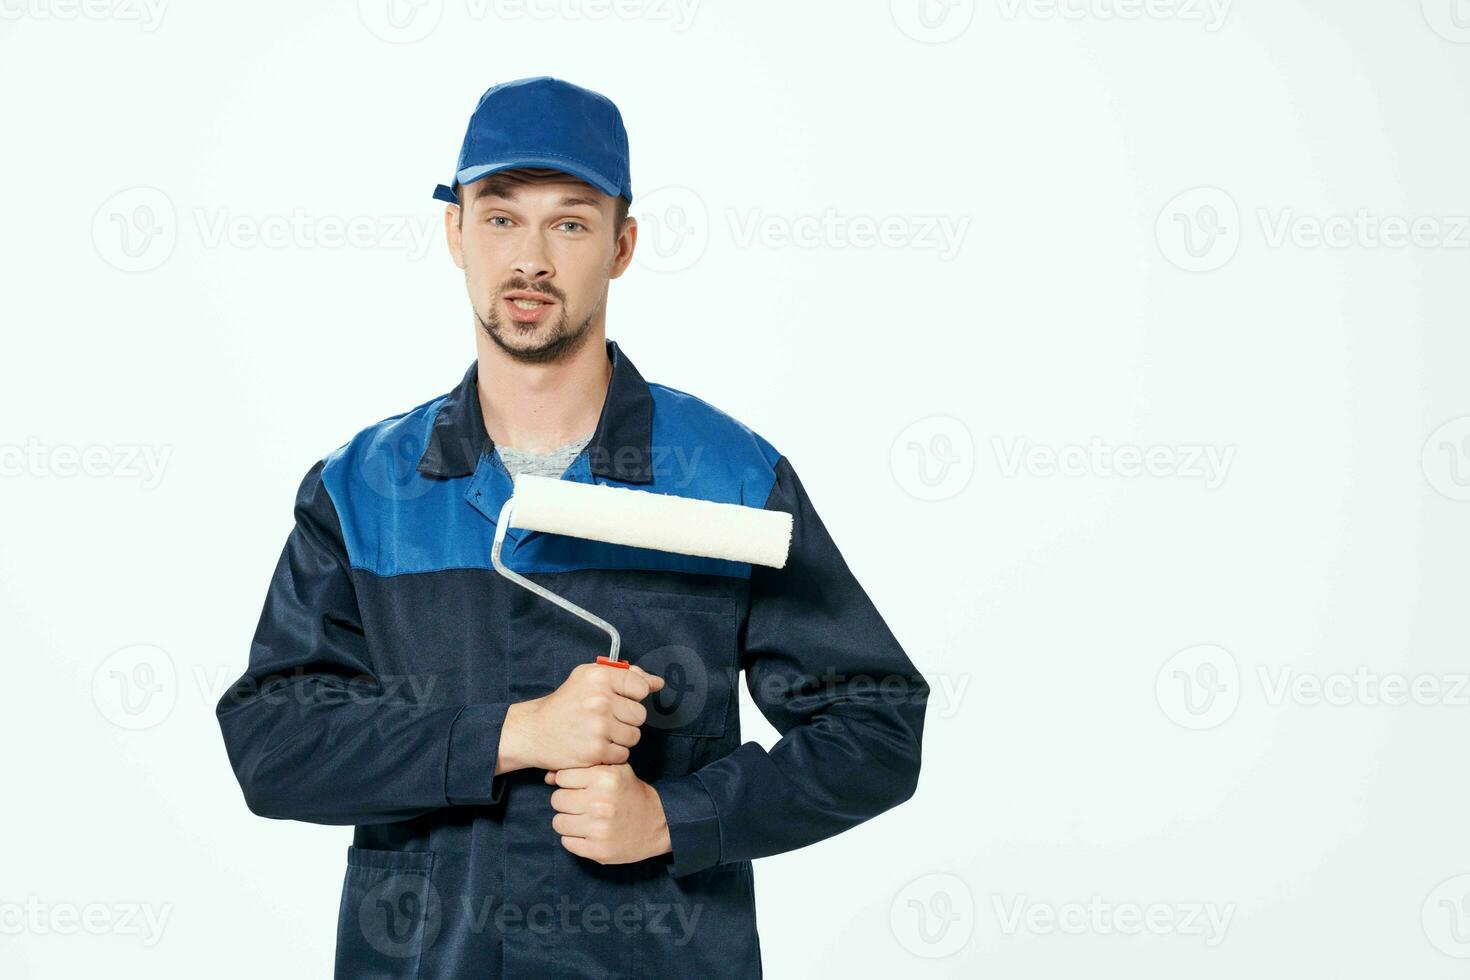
398 521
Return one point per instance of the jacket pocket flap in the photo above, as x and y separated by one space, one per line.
362 857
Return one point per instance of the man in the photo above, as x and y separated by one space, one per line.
521 811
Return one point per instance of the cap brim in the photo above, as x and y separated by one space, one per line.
471 174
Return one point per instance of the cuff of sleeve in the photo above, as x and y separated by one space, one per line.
474 746
694 826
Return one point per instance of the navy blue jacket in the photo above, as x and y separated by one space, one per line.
389 649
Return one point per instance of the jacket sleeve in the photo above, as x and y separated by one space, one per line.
824 668
312 730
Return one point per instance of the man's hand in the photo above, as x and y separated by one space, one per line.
608 815
591 720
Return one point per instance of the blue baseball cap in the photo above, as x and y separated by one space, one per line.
548 123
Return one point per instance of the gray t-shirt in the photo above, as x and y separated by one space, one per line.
552 464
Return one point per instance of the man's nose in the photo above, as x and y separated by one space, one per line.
532 263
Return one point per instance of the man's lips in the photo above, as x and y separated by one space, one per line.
531 308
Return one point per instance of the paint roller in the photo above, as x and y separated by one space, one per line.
638 519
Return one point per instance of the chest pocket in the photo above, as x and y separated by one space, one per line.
689 641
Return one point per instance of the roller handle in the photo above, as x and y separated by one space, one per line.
613 663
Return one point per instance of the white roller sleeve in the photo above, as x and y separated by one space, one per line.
661 521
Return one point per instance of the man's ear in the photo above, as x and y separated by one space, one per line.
454 234
623 250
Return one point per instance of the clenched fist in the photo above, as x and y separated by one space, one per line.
591 720
608 815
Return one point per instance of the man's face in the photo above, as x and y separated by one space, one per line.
538 249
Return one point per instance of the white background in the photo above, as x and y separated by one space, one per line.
1110 733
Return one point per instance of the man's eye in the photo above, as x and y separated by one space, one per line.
497 217
573 226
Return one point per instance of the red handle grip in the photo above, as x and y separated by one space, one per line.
613 663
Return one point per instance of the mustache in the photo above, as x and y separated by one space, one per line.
526 286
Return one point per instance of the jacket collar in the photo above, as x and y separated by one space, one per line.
621 447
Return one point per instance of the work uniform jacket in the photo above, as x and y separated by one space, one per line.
389 650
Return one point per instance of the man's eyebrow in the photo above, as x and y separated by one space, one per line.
508 192
495 190
573 200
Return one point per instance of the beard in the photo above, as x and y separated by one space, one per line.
535 343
